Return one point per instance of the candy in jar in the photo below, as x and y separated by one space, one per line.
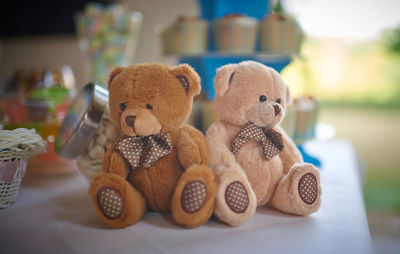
87 130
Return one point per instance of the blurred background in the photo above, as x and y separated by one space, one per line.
349 61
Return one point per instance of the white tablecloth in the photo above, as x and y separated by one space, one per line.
54 214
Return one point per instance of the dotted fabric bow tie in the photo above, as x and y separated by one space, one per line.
271 140
131 148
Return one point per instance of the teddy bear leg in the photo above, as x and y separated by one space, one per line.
299 192
194 196
236 201
116 201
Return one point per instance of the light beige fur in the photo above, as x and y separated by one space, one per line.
276 182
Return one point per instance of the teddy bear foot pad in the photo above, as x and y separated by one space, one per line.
110 202
308 189
194 196
236 197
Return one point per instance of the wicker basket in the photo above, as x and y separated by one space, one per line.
16 147
11 174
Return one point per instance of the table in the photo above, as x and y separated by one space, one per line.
54 214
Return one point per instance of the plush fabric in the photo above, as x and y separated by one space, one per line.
248 94
158 162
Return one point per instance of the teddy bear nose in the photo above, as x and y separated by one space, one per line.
130 120
277 109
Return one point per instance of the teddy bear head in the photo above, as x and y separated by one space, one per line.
151 98
250 92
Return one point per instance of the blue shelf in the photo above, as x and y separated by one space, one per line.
206 65
309 158
214 9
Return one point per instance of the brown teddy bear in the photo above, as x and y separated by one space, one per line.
254 160
158 163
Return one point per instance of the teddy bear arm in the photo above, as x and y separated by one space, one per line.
114 163
192 147
221 155
290 154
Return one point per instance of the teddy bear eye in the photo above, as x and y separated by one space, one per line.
148 106
122 106
263 98
278 101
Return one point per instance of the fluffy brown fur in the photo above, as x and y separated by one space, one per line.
160 98
275 182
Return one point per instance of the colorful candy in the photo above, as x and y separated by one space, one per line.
107 37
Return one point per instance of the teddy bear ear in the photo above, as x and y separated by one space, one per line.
289 98
188 78
113 74
223 78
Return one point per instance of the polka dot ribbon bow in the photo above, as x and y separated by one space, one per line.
156 146
271 140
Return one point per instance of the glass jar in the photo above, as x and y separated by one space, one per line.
107 37
87 130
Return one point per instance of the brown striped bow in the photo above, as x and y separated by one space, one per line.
156 147
271 141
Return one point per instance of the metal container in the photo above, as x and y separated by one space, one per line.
87 130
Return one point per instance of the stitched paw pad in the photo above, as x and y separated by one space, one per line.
110 202
308 189
194 196
236 197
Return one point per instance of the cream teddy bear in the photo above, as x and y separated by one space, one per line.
255 161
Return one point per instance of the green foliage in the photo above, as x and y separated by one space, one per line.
278 7
374 133
348 73
391 40
381 190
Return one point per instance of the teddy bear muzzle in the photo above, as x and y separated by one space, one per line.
139 122
264 114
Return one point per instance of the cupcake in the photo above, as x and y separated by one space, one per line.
280 33
235 33
307 109
186 36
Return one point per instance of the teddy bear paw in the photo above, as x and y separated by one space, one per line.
117 203
235 200
308 188
194 196
236 197
110 202
307 193
299 192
